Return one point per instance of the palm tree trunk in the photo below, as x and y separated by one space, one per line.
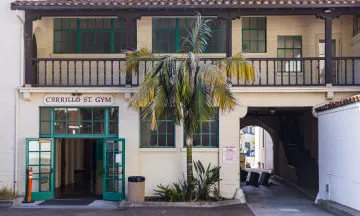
189 165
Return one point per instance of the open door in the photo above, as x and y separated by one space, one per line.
114 169
40 157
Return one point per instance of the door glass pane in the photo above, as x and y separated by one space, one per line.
33 158
35 186
45 185
45 157
112 185
34 146
45 172
109 158
35 172
45 146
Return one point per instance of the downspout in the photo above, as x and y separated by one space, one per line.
17 102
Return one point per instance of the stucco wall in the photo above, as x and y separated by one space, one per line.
163 166
10 61
339 146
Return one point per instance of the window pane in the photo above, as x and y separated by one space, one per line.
262 35
214 140
144 140
297 53
253 35
73 127
205 140
253 22
60 127
289 53
98 128
86 114
162 140
57 24
73 114
246 35
114 114
289 42
170 140
262 22
60 113
253 46
114 128
297 42
45 114
281 42
85 127
262 46
99 114
245 22
281 53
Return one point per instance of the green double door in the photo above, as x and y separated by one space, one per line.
40 156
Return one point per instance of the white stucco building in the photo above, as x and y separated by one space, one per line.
64 90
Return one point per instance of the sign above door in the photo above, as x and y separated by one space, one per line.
79 99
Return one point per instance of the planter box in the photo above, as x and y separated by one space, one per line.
11 203
204 204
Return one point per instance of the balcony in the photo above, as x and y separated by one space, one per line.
110 72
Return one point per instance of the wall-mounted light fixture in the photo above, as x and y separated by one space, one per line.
76 94
272 111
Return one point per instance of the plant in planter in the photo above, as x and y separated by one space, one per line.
203 186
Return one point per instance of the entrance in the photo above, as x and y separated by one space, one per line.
77 168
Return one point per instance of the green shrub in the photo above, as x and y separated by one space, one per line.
206 181
178 192
7 194
204 185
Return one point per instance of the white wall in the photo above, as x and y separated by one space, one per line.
269 152
339 147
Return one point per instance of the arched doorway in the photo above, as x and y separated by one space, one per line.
256 146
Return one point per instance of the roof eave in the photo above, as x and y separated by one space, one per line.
180 7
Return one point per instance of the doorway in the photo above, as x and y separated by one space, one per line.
78 168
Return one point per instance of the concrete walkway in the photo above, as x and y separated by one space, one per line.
279 200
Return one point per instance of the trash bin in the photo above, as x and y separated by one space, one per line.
136 188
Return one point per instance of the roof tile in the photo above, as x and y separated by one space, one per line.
174 2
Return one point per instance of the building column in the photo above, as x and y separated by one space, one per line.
30 77
328 50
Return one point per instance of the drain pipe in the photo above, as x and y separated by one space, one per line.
22 21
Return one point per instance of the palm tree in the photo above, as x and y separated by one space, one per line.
183 87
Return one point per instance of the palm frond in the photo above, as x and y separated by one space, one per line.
198 35
237 66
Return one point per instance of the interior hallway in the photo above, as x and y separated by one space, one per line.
280 200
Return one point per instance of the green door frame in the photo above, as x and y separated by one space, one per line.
37 173
111 177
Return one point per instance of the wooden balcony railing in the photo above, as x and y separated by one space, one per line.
107 72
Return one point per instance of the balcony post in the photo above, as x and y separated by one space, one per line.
30 76
328 15
229 36
328 50
131 36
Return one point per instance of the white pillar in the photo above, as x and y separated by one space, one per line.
229 133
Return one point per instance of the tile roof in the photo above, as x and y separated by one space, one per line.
340 103
181 2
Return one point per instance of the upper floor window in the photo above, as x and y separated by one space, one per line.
289 47
169 32
162 137
254 34
89 35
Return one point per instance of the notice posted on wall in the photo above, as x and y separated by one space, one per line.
229 154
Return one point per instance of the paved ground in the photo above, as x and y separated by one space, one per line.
236 210
280 200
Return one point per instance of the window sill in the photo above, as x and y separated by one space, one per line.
157 149
199 149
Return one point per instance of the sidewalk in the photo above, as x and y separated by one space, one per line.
280 200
